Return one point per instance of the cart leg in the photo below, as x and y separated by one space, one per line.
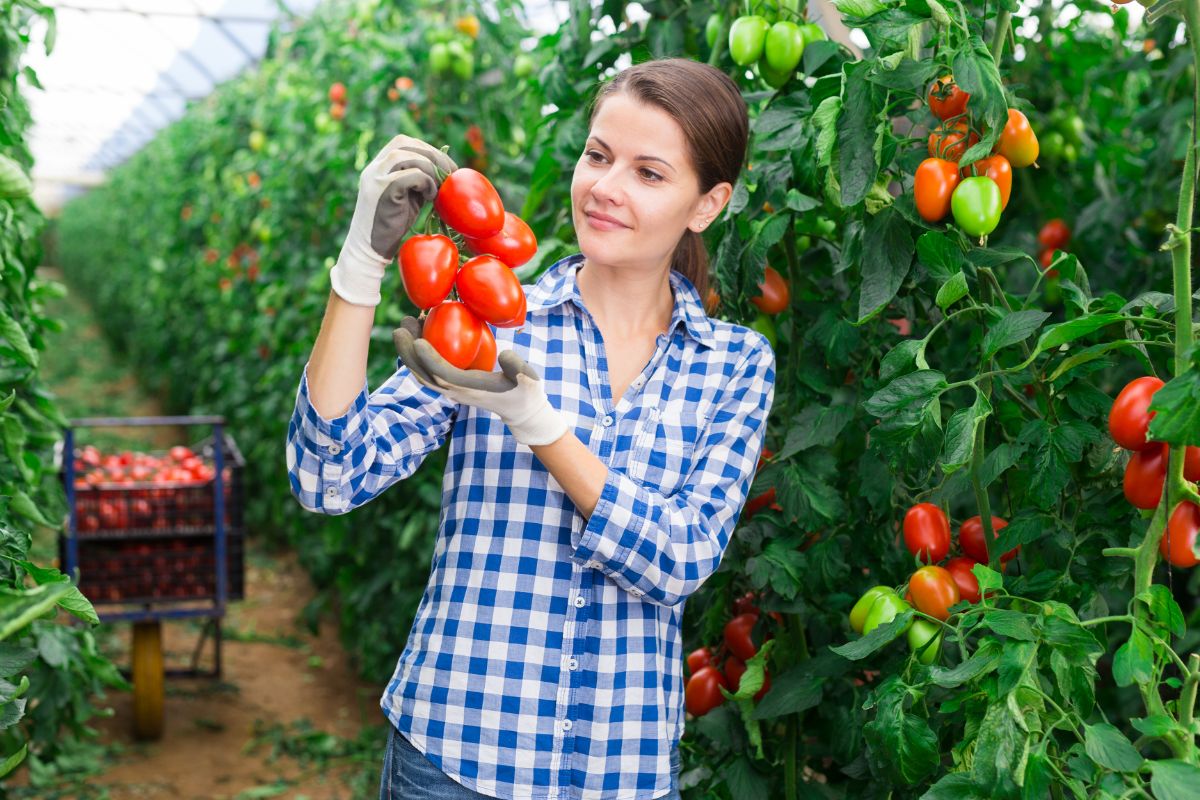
147 680
217 643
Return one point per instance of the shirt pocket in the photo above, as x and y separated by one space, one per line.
664 446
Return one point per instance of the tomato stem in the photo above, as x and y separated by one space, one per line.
1002 21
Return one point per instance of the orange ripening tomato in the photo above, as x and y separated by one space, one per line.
946 100
950 141
1178 545
927 532
454 332
936 180
933 591
1145 475
999 170
1018 143
773 292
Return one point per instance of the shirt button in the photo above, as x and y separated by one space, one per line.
331 491
638 383
593 565
608 420
566 724
334 449
579 601
635 592
573 664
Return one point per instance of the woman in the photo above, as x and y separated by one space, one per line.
581 508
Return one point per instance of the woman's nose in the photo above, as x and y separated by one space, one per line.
607 187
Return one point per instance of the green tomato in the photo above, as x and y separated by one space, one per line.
1070 153
712 29
826 227
1052 145
1072 128
522 66
766 326
747 36
976 205
439 58
920 634
774 79
463 66
813 33
258 140
858 614
438 35
886 608
784 46
1053 292
804 242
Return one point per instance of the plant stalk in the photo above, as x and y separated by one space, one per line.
1000 34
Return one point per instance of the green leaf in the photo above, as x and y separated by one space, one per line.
940 255
1060 334
1017 660
1038 777
73 601
859 8
988 578
952 291
1134 660
1157 725
806 491
794 691
1165 610
22 504
1056 448
5 402
1023 529
825 119
879 637
744 781
14 334
14 760
984 660
753 678
917 388
1015 327
1177 407
956 786
1012 624
887 256
815 426
19 607
975 72
900 743
14 658
800 202
1174 780
960 433
857 161
1087 355
1109 748
899 359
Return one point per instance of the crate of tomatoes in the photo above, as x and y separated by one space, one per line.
144 526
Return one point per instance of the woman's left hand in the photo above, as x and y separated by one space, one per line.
515 393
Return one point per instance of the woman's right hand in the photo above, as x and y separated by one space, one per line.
401 179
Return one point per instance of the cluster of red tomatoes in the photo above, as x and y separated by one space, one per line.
134 570
119 491
703 691
337 100
487 290
977 197
1146 472
1054 236
932 589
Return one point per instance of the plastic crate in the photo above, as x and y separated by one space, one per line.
146 541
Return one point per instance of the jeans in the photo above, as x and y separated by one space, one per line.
409 775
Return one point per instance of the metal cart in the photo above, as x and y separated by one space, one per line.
153 551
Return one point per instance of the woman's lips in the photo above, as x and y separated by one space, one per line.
601 224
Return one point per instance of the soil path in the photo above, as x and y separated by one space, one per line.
266 728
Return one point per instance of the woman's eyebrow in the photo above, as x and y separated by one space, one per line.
604 144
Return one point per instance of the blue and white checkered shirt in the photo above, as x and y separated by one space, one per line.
545 660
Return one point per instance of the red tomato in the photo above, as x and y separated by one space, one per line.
454 332
756 504
485 359
469 203
179 453
1191 464
936 179
1047 258
1018 143
927 532
515 244
1130 415
698 659
337 93
90 456
703 692
968 586
946 100
735 668
745 604
428 265
1145 475
1054 235
1178 545
970 539
902 325
999 170
737 636
774 293
950 141
491 290
933 590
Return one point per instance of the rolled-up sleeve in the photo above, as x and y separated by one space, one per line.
662 548
336 465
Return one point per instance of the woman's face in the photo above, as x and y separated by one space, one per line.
635 191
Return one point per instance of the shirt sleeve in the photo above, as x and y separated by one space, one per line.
663 548
336 465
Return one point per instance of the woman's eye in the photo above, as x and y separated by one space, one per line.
650 174
592 155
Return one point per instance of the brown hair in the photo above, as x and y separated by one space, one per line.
709 108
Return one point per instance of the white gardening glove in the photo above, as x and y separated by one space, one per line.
515 393
392 189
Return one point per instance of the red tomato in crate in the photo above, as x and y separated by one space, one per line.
179 453
113 515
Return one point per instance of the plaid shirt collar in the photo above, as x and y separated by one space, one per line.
557 285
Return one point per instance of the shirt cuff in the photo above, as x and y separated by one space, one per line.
331 439
616 526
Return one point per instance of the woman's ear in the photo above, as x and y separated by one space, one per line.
711 204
